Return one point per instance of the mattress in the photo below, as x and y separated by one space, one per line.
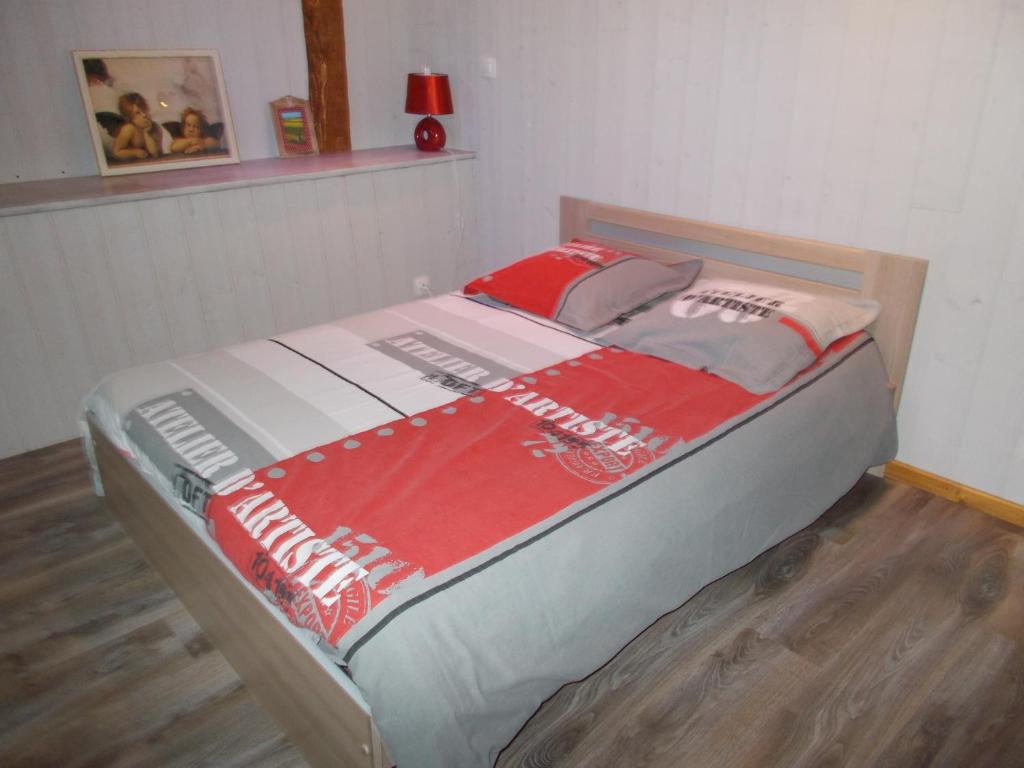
453 674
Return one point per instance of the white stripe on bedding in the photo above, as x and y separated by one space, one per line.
267 405
392 381
331 395
518 323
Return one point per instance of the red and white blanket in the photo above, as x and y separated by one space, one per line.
331 533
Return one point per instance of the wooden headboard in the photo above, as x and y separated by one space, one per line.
807 265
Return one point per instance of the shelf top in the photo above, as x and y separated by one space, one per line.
81 191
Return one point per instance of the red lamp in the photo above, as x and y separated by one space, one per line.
428 94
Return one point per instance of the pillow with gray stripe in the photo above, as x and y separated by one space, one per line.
582 284
757 336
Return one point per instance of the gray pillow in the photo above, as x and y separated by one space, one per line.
757 336
599 297
582 284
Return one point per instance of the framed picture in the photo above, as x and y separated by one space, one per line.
155 110
293 127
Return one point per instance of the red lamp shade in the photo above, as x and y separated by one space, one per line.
428 94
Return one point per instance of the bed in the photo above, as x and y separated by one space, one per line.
479 673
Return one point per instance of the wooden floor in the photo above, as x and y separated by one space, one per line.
889 633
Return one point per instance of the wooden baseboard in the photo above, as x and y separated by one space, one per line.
954 491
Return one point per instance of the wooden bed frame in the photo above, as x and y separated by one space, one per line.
293 680
894 281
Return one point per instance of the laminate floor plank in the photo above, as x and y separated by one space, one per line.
890 633
881 602
27 468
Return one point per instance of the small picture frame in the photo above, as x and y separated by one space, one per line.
155 110
293 127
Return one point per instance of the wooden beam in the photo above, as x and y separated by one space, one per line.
328 80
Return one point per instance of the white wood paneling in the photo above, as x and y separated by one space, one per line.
282 271
469 255
172 259
10 440
246 262
1008 475
700 95
33 407
375 85
46 135
441 217
339 248
609 137
898 127
398 204
543 67
84 247
23 78
306 250
212 280
957 94
822 40
969 262
87 291
734 119
362 200
133 275
880 123
890 124
672 25
844 180
52 307
511 129
994 424
772 101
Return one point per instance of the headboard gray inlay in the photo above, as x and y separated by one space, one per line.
804 270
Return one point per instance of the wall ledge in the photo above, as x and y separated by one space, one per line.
83 191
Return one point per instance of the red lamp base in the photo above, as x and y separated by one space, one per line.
429 135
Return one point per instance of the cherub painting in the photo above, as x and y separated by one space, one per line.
194 133
135 135
154 110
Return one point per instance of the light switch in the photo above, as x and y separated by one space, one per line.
489 67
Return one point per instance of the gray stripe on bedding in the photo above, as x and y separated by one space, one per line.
442 362
192 444
263 404
543 348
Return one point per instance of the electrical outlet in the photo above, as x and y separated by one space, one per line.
421 285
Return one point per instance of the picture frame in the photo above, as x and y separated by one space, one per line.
293 127
155 110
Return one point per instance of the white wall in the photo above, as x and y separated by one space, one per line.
384 42
88 291
45 135
891 124
888 124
